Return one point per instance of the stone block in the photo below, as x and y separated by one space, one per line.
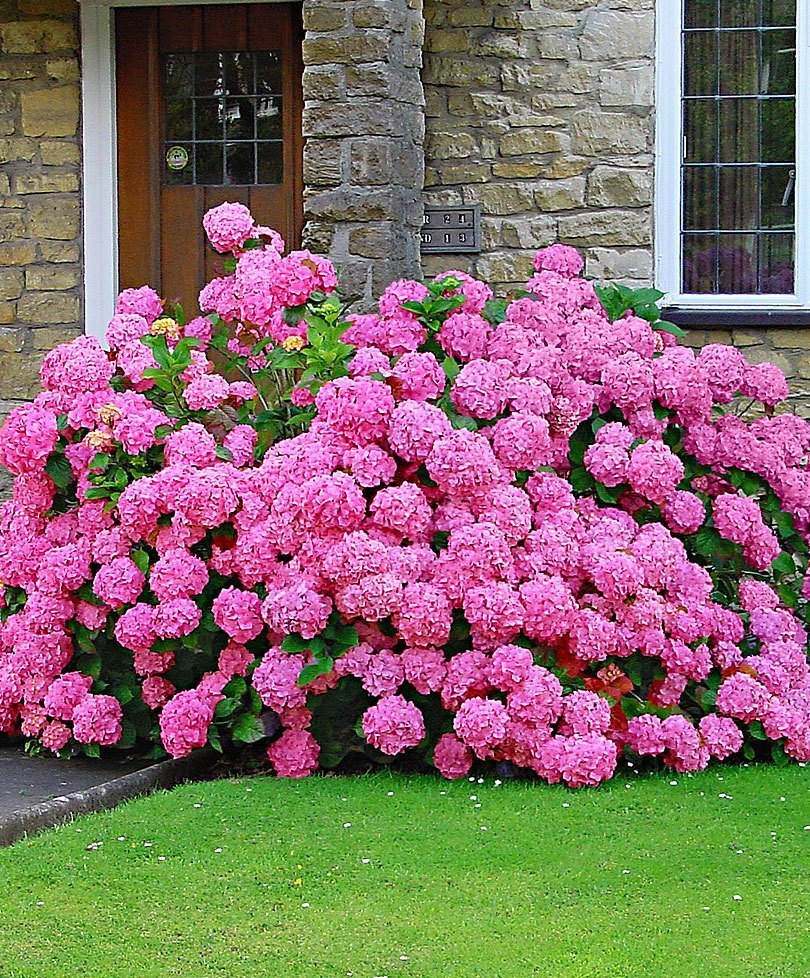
45 183
324 17
462 173
598 133
48 307
531 232
14 150
352 205
371 241
370 15
55 218
626 86
504 267
40 8
5 186
59 153
11 283
557 46
47 337
12 225
12 340
468 16
328 49
17 253
522 142
498 44
371 80
323 83
611 228
38 37
790 339
566 166
51 111
354 119
610 35
519 171
497 198
560 195
610 186
59 251
8 313
19 375
744 339
465 73
445 145
322 163
46 278
371 162
64 70
540 76
608 264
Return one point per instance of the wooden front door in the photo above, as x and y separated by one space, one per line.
208 110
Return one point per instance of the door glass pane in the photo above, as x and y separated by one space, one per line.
270 162
225 108
739 169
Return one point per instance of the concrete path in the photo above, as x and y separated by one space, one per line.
26 781
39 792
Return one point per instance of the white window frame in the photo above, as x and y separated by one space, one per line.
669 158
99 152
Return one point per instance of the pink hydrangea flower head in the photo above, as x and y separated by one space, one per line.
559 258
721 735
452 758
481 724
97 720
238 614
184 721
228 226
585 713
65 693
143 302
393 725
156 691
295 754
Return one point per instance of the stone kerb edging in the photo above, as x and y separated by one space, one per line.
46 815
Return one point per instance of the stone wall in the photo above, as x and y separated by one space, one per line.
40 212
541 112
364 131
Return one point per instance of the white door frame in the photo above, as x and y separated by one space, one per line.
99 153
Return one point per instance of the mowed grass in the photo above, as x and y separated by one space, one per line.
390 875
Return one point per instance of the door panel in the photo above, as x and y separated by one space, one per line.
209 109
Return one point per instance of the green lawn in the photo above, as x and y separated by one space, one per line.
389 875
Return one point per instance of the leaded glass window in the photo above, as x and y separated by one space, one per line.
223 119
739 154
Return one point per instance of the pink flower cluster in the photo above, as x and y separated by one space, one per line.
443 520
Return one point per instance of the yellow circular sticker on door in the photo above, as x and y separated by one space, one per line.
177 158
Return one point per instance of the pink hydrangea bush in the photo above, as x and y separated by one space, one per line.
533 533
